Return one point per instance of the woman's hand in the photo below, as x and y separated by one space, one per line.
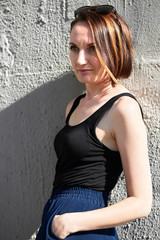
62 225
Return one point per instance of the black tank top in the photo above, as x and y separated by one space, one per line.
83 161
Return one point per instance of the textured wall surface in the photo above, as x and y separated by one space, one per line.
36 83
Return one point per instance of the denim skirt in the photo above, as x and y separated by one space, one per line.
74 199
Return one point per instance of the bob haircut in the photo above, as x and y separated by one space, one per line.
113 42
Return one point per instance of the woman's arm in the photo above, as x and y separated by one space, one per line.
129 131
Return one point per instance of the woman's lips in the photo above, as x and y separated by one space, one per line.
84 70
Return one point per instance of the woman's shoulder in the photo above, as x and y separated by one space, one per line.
126 102
69 105
127 108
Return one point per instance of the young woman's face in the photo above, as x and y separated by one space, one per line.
84 59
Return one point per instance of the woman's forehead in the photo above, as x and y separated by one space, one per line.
81 31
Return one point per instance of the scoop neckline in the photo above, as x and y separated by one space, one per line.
82 96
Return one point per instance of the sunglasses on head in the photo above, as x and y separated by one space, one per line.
101 9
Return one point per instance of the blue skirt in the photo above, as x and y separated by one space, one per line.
74 199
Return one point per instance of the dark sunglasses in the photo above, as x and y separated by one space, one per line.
101 9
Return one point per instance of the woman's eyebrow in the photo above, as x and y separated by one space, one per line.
72 43
90 44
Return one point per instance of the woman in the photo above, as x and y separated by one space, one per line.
104 133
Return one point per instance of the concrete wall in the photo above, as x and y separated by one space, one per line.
36 83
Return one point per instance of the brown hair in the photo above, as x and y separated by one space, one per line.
113 43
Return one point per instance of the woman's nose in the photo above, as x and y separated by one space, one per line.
82 58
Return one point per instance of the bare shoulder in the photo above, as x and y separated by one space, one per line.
127 108
126 116
69 105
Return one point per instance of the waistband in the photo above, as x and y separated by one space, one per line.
99 196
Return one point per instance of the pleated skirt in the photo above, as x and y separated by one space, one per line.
75 199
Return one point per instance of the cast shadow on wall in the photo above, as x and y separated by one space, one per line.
27 158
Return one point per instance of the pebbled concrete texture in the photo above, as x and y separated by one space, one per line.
37 82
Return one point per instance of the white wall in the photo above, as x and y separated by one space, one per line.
36 83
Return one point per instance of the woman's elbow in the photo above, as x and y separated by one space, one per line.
142 207
145 208
146 212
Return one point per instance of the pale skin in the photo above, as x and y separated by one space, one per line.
121 129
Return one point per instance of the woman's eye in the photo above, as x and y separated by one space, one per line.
92 48
73 48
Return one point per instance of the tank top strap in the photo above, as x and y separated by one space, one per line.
74 106
96 117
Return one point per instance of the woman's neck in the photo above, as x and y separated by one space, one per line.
98 91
